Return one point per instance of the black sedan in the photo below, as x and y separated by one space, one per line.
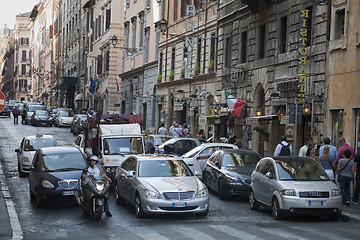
228 171
41 117
6 111
55 173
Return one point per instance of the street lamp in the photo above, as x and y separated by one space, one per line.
259 112
114 40
162 24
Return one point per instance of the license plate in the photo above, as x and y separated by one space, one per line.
316 203
180 204
68 193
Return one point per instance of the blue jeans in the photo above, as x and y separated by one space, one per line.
345 188
357 188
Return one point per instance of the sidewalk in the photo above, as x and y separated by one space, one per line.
5 229
352 212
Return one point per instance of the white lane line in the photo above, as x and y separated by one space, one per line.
146 233
280 233
17 232
235 232
192 233
326 235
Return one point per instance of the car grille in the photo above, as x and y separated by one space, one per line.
68 184
248 181
178 208
178 195
314 194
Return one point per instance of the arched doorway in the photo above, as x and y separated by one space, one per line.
259 107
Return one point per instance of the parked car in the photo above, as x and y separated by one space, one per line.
64 118
41 117
160 184
28 146
6 111
196 158
294 185
158 139
55 174
76 124
228 171
178 145
30 109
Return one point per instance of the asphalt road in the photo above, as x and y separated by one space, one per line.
231 219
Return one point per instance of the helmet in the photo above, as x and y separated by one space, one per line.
94 158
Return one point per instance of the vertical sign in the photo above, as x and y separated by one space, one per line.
189 41
303 55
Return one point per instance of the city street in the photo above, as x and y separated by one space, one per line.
231 219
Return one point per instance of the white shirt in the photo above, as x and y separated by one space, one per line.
279 146
93 172
303 150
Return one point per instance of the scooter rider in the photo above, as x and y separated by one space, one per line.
94 170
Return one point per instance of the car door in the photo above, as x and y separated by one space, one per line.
34 171
208 170
268 182
215 170
129 177
122 180
21 150
257 179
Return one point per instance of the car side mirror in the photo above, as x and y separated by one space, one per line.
130 174
269 175
217 164
17 150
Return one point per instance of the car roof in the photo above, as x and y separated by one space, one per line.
41 136
218 144
59 149
243 151
291 158
149 157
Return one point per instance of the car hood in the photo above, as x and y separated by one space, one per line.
43 117
56 176
67 119
172 184
308 185
244 171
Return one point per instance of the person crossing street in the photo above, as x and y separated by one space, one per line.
16 114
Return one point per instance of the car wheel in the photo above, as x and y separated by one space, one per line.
138 207
32 196
276 211
203 214
118 198
222 194
39 200
254 205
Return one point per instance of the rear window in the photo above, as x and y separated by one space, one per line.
36 143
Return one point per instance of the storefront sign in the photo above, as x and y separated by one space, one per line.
189 40
303 54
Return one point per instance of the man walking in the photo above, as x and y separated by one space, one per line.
340 153
283 148
303 149
16 114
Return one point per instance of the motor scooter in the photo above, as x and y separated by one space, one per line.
96 192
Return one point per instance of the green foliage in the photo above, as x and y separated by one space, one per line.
211 65
262 132
197 68
172 74
159 77
182 71
210 119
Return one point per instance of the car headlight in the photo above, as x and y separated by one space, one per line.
202 193
99 186
46 184
335 192
288 192
232 179
36 118
152 194
24 159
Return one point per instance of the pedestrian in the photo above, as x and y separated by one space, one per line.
16 114
340 153
283 148
232 138
171 129
356 170
149 146
310 152
201 134
346 175
176 132
326 163
184 131
303 149
162 130
332 151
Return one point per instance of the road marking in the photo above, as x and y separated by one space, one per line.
147 233
281 233
326 235
235 232
192 233
17 232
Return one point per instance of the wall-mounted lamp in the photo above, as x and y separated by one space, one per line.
281 112
114 40
259 112
306 109
162 25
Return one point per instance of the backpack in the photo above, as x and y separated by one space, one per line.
285 150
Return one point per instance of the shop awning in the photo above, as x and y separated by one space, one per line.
79 97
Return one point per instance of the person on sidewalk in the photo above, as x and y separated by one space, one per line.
162 130
340 153
16 114
346 176
332 150
283 148
303 149
356 170
325 162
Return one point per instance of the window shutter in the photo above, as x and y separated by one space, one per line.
100 62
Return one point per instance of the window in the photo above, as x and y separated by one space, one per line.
133 43
228 52
23 69
23 56
198 55
283 34
175 10
183 6
339 24
126 37
141 29
172 59
160 63
212 47
23 85
108 18
107 61
244 47
99 64
337 125
262 41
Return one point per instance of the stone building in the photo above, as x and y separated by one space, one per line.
259 61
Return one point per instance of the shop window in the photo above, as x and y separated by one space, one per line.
337 125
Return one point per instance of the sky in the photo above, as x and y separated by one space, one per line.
10 8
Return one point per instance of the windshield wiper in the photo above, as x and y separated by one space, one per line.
67 169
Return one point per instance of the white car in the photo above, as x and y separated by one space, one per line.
64 118
197 157
27 149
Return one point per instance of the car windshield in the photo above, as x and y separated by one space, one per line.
66 114
193 152
300 170
36 143
164 168
63 162
161 139
240 160
124 145
42 113
33 108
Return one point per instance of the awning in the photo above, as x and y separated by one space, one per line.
266 117
79 97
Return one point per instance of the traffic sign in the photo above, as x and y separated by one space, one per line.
2 101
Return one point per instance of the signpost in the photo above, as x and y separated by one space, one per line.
2 101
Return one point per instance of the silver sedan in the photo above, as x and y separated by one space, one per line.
160 184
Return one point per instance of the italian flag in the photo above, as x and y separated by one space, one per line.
235 105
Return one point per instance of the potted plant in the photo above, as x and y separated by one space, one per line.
211 66
159 77
197 69
182 72
172 74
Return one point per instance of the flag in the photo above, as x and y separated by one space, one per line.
91 86
96 83
235 105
